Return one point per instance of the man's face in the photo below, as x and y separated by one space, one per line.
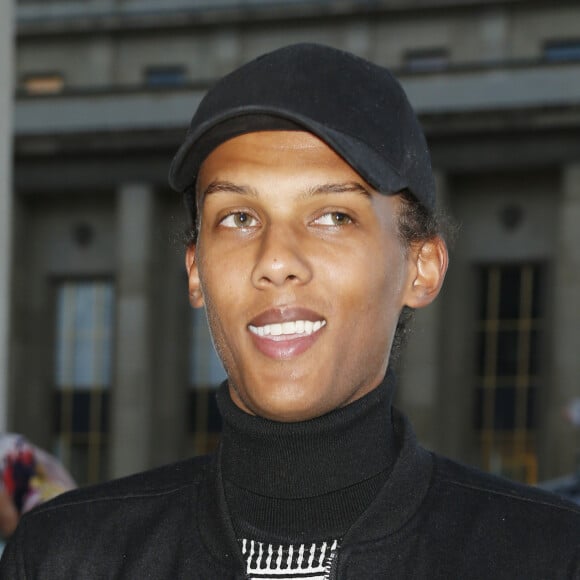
302 273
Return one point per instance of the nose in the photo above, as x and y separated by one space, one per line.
281 259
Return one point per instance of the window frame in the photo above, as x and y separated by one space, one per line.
510 450
70 441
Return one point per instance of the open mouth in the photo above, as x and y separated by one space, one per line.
294 328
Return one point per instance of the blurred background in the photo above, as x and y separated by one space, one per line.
103 362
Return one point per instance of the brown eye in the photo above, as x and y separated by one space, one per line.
239 219
340 219
334 218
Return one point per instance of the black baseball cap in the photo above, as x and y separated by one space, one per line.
356 107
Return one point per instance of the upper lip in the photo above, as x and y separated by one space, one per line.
288 314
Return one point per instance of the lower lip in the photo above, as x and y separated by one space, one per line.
282 348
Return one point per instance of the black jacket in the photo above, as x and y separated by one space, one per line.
432 519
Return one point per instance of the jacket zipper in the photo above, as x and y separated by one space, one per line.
333 570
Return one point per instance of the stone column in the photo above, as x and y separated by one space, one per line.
420 366
6 90
133 380
561 443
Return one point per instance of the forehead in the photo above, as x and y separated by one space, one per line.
275 152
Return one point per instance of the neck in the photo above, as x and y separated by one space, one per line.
341 458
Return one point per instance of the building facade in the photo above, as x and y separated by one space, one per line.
6 98
109 365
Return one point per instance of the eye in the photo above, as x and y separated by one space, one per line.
238 219
333 218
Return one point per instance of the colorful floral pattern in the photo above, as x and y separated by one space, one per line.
29 474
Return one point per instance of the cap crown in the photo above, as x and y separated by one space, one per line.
358 108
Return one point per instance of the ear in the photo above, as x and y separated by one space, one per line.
194 284
429 261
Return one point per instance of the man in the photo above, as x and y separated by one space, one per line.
312 201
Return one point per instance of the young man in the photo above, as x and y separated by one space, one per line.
312 201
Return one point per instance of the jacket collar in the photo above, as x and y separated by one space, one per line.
397 501
401 495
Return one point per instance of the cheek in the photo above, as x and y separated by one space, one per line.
375 273
224 299
214 295
222 340
382 296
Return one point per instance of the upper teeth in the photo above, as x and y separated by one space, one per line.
294 327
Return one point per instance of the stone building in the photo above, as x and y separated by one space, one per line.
109 365
6 99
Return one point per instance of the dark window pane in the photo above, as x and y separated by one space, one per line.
509 301
81 412
504 409
483 288
63 408
537 294
165 76
79 462
481 353
103 462
104 411
81 402
562 51
57 412
535 352
478 408
531 422
507 355
426 60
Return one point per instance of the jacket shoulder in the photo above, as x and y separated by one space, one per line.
143 525
154 482
497 528
480 484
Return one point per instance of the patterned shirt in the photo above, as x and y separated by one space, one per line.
286 561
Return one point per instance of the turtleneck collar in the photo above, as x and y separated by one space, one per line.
307 459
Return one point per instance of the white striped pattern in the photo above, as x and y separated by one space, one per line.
271 562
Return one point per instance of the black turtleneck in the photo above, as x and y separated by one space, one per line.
308 480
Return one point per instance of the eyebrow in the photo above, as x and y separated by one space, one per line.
229 187
347 187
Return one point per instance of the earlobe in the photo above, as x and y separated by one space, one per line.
193 281
430 261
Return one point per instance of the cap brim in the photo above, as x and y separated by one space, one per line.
369 164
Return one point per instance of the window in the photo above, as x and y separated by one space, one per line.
508 368
426 60
562 51
43 84
206 374
165 76
83 376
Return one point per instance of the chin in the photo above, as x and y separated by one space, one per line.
288 409
289 415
